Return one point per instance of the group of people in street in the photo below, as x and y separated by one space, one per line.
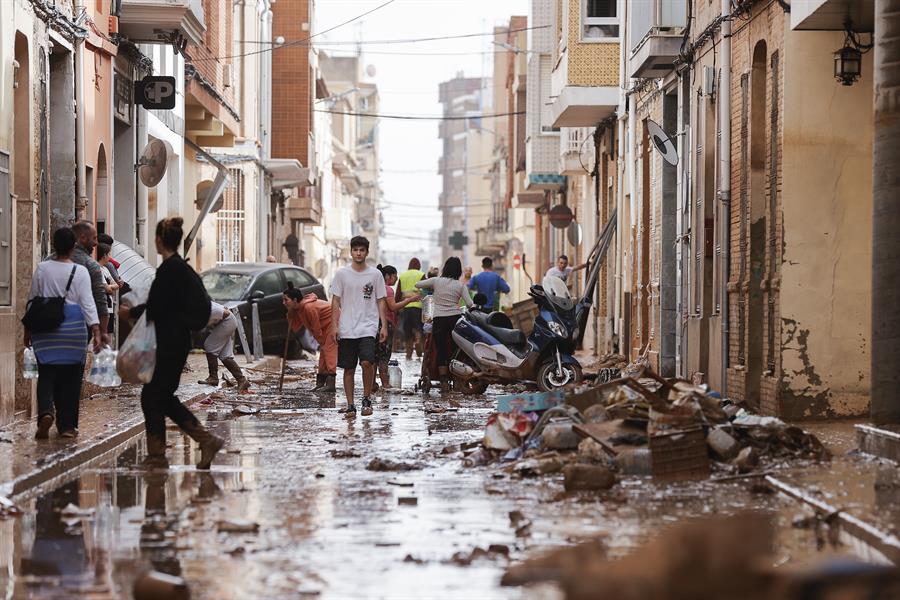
83 283
370 306
356 329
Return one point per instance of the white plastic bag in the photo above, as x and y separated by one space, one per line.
30 366
103 369
137 357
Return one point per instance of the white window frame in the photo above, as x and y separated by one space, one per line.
591 21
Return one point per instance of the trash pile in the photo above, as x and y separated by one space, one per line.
637 424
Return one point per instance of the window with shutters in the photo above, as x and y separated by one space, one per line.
5 232
230 220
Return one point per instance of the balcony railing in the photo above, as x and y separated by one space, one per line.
576 153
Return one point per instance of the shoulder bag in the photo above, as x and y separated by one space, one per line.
43 315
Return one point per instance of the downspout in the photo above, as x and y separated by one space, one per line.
265 133
81 200
618 304
725 183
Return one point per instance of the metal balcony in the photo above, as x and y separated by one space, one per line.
162 20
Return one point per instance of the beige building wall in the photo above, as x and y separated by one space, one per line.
827 210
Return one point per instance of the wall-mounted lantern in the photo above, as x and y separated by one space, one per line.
848 59
847 65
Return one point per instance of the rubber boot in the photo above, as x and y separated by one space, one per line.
213 363
156 453
320 381
444 378
242 384
329 386
209 444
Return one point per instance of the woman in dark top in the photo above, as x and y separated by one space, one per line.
177 303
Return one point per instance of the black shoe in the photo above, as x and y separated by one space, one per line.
366 407
348 411
43 428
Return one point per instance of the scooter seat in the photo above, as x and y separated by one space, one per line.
510 337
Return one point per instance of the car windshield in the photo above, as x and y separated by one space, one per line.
224 287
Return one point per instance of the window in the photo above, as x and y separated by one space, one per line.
599 20
299 278
230 220
269 283
225 287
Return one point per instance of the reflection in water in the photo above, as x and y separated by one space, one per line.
59 549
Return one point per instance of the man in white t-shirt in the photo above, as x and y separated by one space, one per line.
358 304
562 268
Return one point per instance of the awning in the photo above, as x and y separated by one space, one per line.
286 173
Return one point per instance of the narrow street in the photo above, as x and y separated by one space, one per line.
331 523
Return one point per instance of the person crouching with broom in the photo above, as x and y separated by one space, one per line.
315 315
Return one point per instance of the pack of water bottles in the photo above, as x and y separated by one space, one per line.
30 364
103 369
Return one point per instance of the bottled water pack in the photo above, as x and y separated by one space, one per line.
103 369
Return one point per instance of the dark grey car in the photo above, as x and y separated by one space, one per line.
237 285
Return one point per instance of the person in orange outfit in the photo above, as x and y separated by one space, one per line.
315 315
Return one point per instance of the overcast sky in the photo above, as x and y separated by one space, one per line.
408 80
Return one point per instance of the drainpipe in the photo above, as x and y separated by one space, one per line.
725 183
81 200
264 111
618 301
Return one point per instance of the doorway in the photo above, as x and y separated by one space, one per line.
757 223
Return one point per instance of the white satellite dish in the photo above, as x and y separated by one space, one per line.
370 71
662 142
152 165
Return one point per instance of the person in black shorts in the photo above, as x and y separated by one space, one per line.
357 305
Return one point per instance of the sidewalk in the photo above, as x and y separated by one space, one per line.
105 421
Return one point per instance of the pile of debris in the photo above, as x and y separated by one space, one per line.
638 424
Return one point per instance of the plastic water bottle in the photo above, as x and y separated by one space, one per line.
395 375
103 369
428 309
30 366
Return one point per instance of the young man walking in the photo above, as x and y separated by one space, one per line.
562 268
489 283
357 305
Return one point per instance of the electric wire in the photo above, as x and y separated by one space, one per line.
420 117
298 42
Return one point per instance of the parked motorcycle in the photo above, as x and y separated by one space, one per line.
492 351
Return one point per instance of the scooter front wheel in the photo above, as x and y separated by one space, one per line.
549 379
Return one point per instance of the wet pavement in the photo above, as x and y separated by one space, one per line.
330 527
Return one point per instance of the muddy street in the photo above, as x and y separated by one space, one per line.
305 502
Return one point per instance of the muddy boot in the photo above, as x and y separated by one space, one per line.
213 363
156 454
444 378
329 386
209 444
242 384
320 381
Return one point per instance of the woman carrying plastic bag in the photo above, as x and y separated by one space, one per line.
177 303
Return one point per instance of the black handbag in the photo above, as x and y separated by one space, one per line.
43 315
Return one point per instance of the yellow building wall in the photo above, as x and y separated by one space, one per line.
591 64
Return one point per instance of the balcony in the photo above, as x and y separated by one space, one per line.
306 208
160 20
488 241
576 152
657 29
830 15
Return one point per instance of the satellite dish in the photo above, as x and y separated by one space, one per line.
152 165
574 233
662 142
370 71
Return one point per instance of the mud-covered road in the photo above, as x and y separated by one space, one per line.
298 506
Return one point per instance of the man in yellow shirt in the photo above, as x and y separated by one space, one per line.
411 316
